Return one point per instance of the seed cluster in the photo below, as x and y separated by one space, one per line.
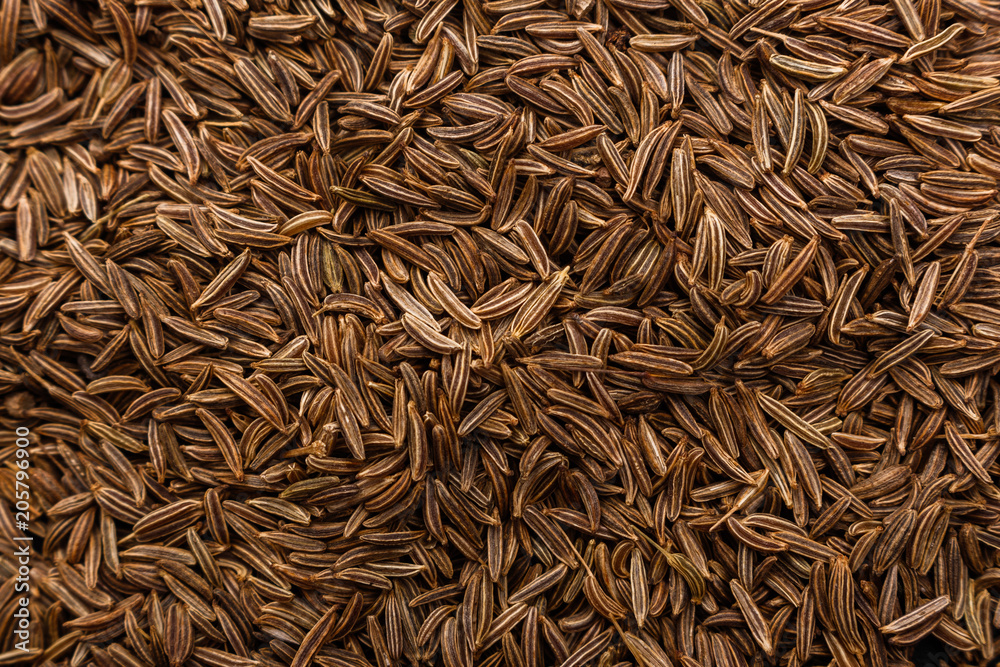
521 332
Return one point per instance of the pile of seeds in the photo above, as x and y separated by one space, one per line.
524 333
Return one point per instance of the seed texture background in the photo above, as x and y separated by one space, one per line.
529 333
